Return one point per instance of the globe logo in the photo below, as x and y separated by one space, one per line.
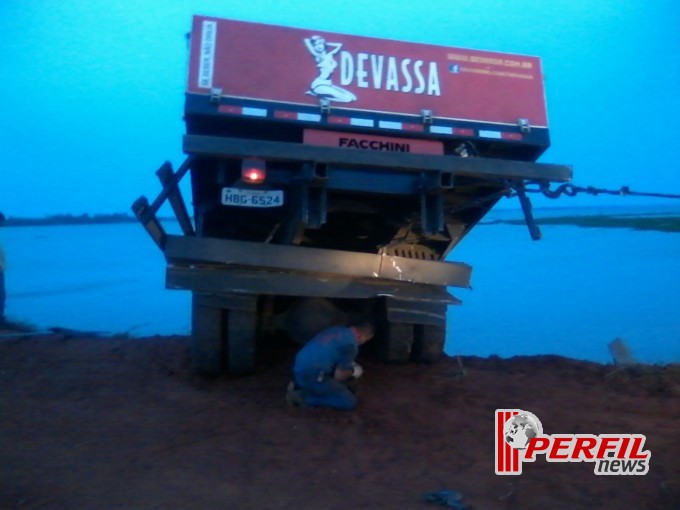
521 428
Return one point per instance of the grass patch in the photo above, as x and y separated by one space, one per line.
657 223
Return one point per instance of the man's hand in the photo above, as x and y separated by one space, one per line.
342 375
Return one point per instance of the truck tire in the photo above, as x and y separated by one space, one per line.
206 340
240 341
309 316
222 340
397 342
428 345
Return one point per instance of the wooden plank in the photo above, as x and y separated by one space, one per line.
253 282
163 195
147 217
282 151
170 182
621 353
333 262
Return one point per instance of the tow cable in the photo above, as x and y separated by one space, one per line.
520 190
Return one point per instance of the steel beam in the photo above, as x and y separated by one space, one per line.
281 151
316 260
247 281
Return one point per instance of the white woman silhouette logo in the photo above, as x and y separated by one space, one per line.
324 55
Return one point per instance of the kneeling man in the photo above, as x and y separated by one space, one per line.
326 363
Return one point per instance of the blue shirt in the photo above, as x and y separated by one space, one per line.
332 348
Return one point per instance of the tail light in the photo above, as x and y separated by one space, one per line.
253 171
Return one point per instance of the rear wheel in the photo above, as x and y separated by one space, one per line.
396 342
206 339
411 331
223 339
428 345
308 316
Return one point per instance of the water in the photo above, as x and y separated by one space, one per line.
103 278
570 293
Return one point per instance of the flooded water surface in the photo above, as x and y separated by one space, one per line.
570 293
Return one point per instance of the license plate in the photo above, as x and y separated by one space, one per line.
252 197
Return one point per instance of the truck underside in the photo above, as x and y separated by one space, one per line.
346 232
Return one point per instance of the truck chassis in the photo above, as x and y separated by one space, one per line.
241 286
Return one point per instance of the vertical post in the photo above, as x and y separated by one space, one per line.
316 206
524 201
431 212
313 197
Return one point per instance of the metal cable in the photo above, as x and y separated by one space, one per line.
572 190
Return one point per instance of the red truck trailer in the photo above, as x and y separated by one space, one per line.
332 175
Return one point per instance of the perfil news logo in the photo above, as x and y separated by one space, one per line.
519 438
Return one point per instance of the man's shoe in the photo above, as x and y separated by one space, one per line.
294 396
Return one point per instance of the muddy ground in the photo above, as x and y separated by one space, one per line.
120 423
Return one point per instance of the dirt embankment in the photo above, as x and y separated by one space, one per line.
93 423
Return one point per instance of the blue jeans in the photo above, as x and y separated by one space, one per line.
327 392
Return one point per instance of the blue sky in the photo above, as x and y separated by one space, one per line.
92 91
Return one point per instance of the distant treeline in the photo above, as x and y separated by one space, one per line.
658 223
70 219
